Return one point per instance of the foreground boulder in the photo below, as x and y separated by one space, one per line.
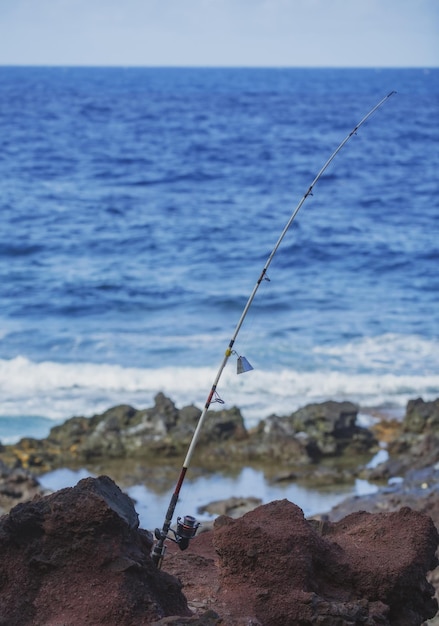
277 568
419 490
78 557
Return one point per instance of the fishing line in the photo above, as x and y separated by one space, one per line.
187 527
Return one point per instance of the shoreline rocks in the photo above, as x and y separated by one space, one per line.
16 485
414 444
161 434
78 556
413 466
363 569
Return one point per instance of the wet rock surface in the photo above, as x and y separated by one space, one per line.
414 444
78 557
16 485
162 433
232 507
325 429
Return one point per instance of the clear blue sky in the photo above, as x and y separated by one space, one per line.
373 33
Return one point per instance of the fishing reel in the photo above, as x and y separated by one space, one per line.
186 530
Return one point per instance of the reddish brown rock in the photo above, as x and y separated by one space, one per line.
78 557
274 567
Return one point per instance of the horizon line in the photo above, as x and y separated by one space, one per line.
210 67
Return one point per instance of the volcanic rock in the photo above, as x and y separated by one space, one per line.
415 445
16 485
160 432
163 432
419 490
324 429
273 567
79 557
232 507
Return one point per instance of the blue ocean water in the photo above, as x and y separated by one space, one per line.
139 205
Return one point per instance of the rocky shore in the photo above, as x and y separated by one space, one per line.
371 560
159 437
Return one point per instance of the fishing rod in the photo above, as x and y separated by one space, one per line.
187 527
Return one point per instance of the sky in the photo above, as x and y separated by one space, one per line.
280 33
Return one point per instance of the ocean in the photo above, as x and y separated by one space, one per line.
138 208
139 205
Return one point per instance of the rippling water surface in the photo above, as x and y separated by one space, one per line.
138 207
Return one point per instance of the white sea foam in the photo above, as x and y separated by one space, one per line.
391 351
61 390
